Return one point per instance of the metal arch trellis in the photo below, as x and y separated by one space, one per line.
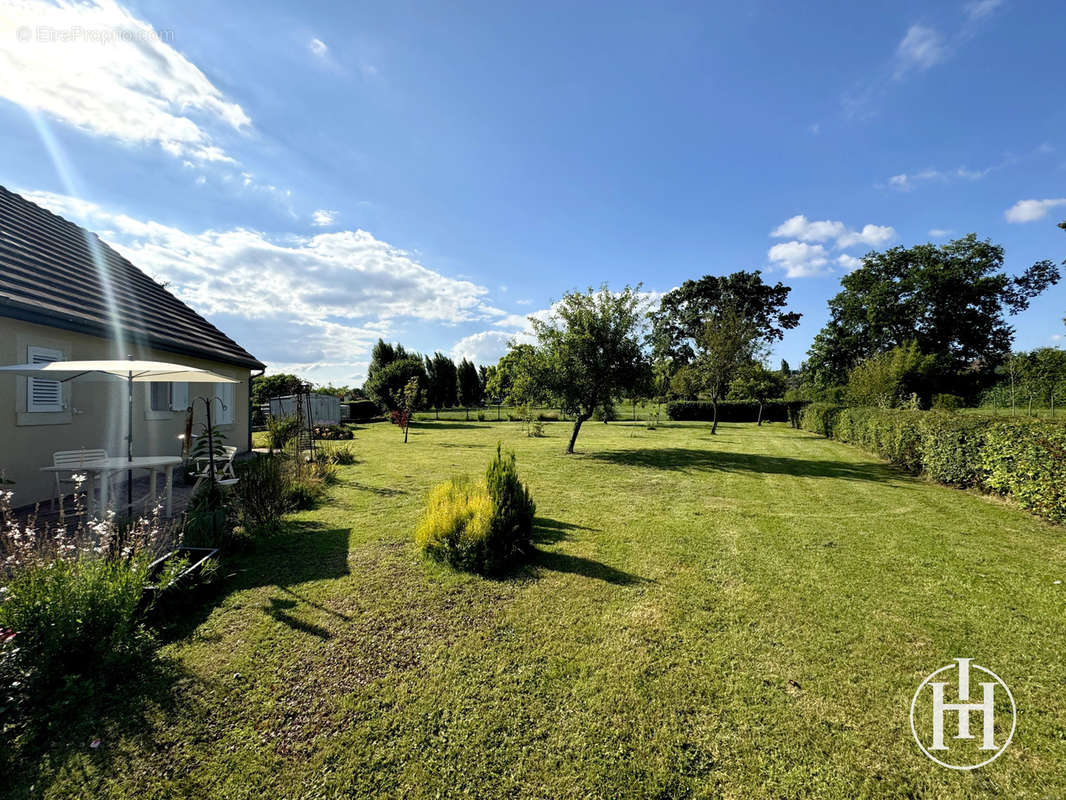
304 441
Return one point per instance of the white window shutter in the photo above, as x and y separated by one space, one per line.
179 396
224 392
41 395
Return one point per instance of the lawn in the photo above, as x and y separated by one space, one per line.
742 616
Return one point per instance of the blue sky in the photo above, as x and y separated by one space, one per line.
312 176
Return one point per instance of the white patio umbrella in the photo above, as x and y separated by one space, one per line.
130 370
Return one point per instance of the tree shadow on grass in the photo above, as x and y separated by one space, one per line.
555 561
443 425
381 491
551 531
684 459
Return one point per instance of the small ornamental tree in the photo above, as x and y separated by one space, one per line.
407 403
590 352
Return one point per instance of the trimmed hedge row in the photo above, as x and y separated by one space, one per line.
1024 459
361 410
732 411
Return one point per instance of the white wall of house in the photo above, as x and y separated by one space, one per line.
37 419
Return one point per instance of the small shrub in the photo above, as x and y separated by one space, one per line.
260 492
71 603
534 429
604 414
338 455
211 517
513 509
457 524
947 402
482 527
302 494
281 431
481 416
75 617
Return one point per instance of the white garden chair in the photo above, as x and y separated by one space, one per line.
224 473
71 460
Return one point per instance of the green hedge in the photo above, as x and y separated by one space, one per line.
731 410
1024 459
361 410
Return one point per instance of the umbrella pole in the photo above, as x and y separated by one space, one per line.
129 445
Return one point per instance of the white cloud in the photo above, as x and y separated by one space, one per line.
799 227
907 181
939 233
318 47
799 259
803 229
312 300
871 235
487 347
849 262
323 218
1032 210
920 49
982 8
108 73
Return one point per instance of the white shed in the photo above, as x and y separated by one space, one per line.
325 408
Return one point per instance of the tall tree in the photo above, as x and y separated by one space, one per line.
514 380
591 351
730 339
468 384
265 387
950 299
442 376
682 316
391 368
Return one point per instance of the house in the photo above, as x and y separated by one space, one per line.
66 295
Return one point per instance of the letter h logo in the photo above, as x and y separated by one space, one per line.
986 707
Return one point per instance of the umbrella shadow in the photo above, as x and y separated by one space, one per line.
301 552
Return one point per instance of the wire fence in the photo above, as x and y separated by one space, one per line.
626 411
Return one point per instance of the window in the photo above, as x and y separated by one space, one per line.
159 396
164 397
224 415
41 395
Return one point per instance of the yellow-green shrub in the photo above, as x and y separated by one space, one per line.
484 527
457 522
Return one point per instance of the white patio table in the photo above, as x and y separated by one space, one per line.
103 467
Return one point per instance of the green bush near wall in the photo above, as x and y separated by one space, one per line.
1024 459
